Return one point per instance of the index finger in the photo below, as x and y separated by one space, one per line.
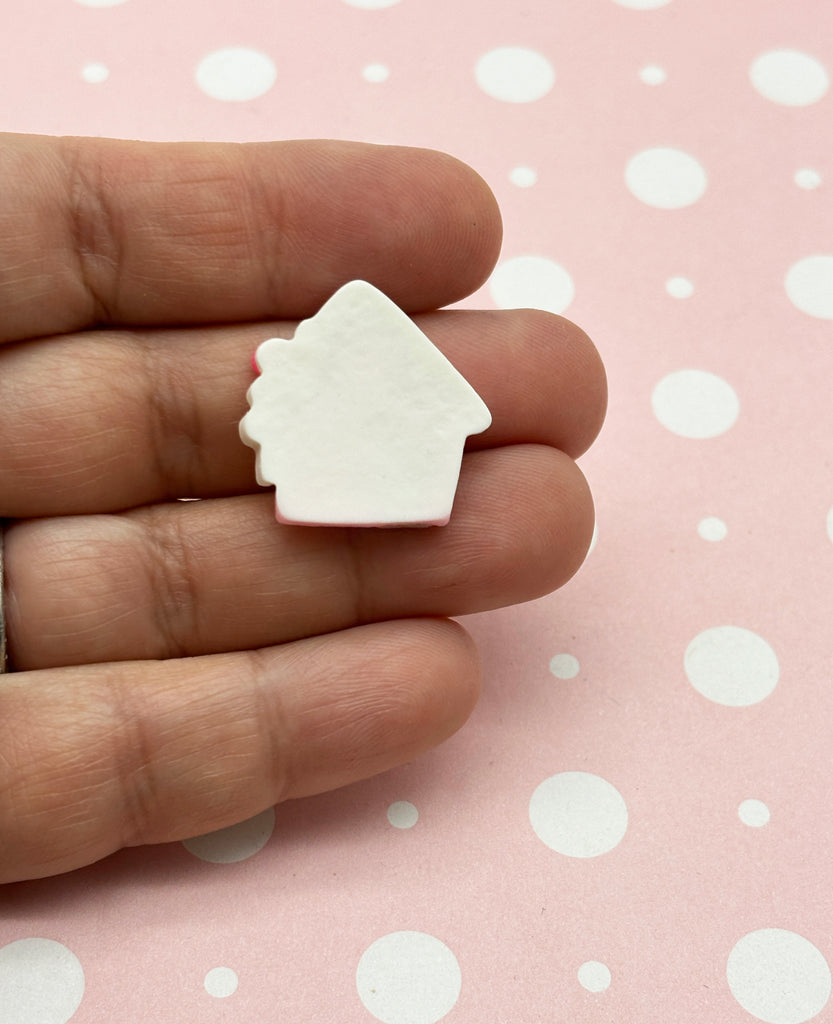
102 231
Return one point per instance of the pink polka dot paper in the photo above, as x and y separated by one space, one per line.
635 824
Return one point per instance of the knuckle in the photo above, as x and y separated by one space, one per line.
94 234
170 573
175 430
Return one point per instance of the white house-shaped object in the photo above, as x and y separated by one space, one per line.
359 420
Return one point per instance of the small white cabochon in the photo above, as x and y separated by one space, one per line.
359 420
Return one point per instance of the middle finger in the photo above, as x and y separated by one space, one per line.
104 421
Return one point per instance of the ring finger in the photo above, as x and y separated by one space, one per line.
217 575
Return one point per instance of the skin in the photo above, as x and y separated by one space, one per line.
179 666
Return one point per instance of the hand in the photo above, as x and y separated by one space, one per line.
178 665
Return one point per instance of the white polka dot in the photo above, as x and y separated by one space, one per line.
408 978
523 177
594 538
95 73
778 976
807 178
732 666
642 5
40 981
100 3
578 814
531 281
371 5
237 842
679 287
375 73
403 814
754 813
788 77
695 404
236 74
221 982
712 528
514 74
809 284
668 179
564 666
594 976
652 75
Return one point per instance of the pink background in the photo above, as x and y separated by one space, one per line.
720 410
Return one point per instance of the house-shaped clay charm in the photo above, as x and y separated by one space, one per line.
359 420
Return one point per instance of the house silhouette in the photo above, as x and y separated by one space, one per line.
359 420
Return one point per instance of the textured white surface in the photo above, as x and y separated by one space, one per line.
359 420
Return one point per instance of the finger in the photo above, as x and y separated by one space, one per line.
202 577
106 421
108 756
103 231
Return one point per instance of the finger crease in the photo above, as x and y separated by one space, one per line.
354 553
274 724
174 426
172 582
134 767
93 235
271 240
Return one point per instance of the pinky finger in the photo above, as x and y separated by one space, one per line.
100 757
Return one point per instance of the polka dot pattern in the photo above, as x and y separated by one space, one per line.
408 978
652 75
807 178
753 813
790 78
515 74
40 980
731 665
221 982
375 73
594 976
679 287
666 178
235 74
523 177
578 814
647 769
532 281
95 73
403 814
711 528
778 976
234 843
564 666
809 285
695 403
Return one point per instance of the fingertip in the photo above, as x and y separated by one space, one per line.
561 355
479 222
566 526
412 683
592 389
521 528
462 676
